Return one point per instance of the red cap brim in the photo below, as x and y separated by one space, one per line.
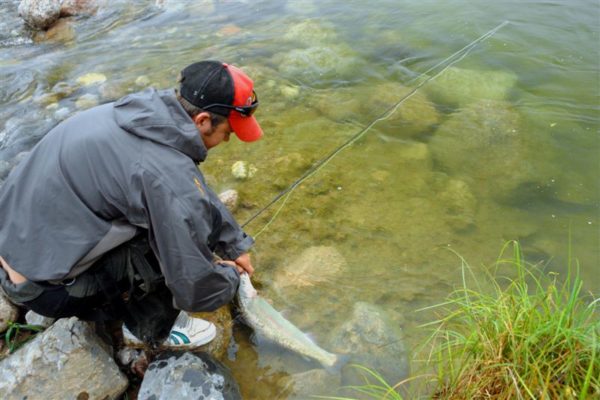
245 128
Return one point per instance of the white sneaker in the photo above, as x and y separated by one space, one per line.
187 332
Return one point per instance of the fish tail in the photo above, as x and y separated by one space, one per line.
336 367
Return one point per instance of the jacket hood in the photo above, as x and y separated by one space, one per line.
158 116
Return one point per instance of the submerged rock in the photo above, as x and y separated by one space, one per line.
415 115
242 170
373 340
93 78
230 199
87 100
483 143
317 65
460 87
315 382
311 32
190 376
315 265
67 361
460 205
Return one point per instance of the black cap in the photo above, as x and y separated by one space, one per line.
208 82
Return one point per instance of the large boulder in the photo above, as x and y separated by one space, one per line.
373 340
67 361
174 375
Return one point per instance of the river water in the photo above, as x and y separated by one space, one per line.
501 145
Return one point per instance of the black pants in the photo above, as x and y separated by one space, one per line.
125 284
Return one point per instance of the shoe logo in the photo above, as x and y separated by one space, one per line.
179 338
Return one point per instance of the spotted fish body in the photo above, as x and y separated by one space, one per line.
269 324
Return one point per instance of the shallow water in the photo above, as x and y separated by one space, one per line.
504 145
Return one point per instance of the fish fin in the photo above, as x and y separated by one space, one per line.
342 359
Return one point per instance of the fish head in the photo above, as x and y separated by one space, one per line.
246 289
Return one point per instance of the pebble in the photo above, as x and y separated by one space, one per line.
230 199
142 81
62 113
93 78
86 101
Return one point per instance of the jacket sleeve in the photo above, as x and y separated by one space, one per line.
181 222
232 241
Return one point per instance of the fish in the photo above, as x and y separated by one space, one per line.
269 324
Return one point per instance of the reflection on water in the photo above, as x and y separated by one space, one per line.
503 145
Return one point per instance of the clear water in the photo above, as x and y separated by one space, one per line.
504 145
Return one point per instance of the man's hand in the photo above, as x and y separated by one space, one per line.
242 264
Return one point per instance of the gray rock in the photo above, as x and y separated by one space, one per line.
188 376
373 340
34 318
8 312
67 361
40 14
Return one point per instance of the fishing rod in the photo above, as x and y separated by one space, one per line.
457 56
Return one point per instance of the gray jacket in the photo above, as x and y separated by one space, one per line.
109 173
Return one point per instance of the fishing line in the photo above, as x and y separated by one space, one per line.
451 59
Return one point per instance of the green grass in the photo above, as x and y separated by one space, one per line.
531 335
13 336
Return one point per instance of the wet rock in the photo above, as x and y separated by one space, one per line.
45 99
313 266
4 169
224 324
319 65
242 170
8 312
62 113
230 199
34 318
62 89
197 376
87 100
305 385
415 115
373 340
311 32
459 87
142 81
460 204
40 14
483 143
93 78
79 7
66 361
62 31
